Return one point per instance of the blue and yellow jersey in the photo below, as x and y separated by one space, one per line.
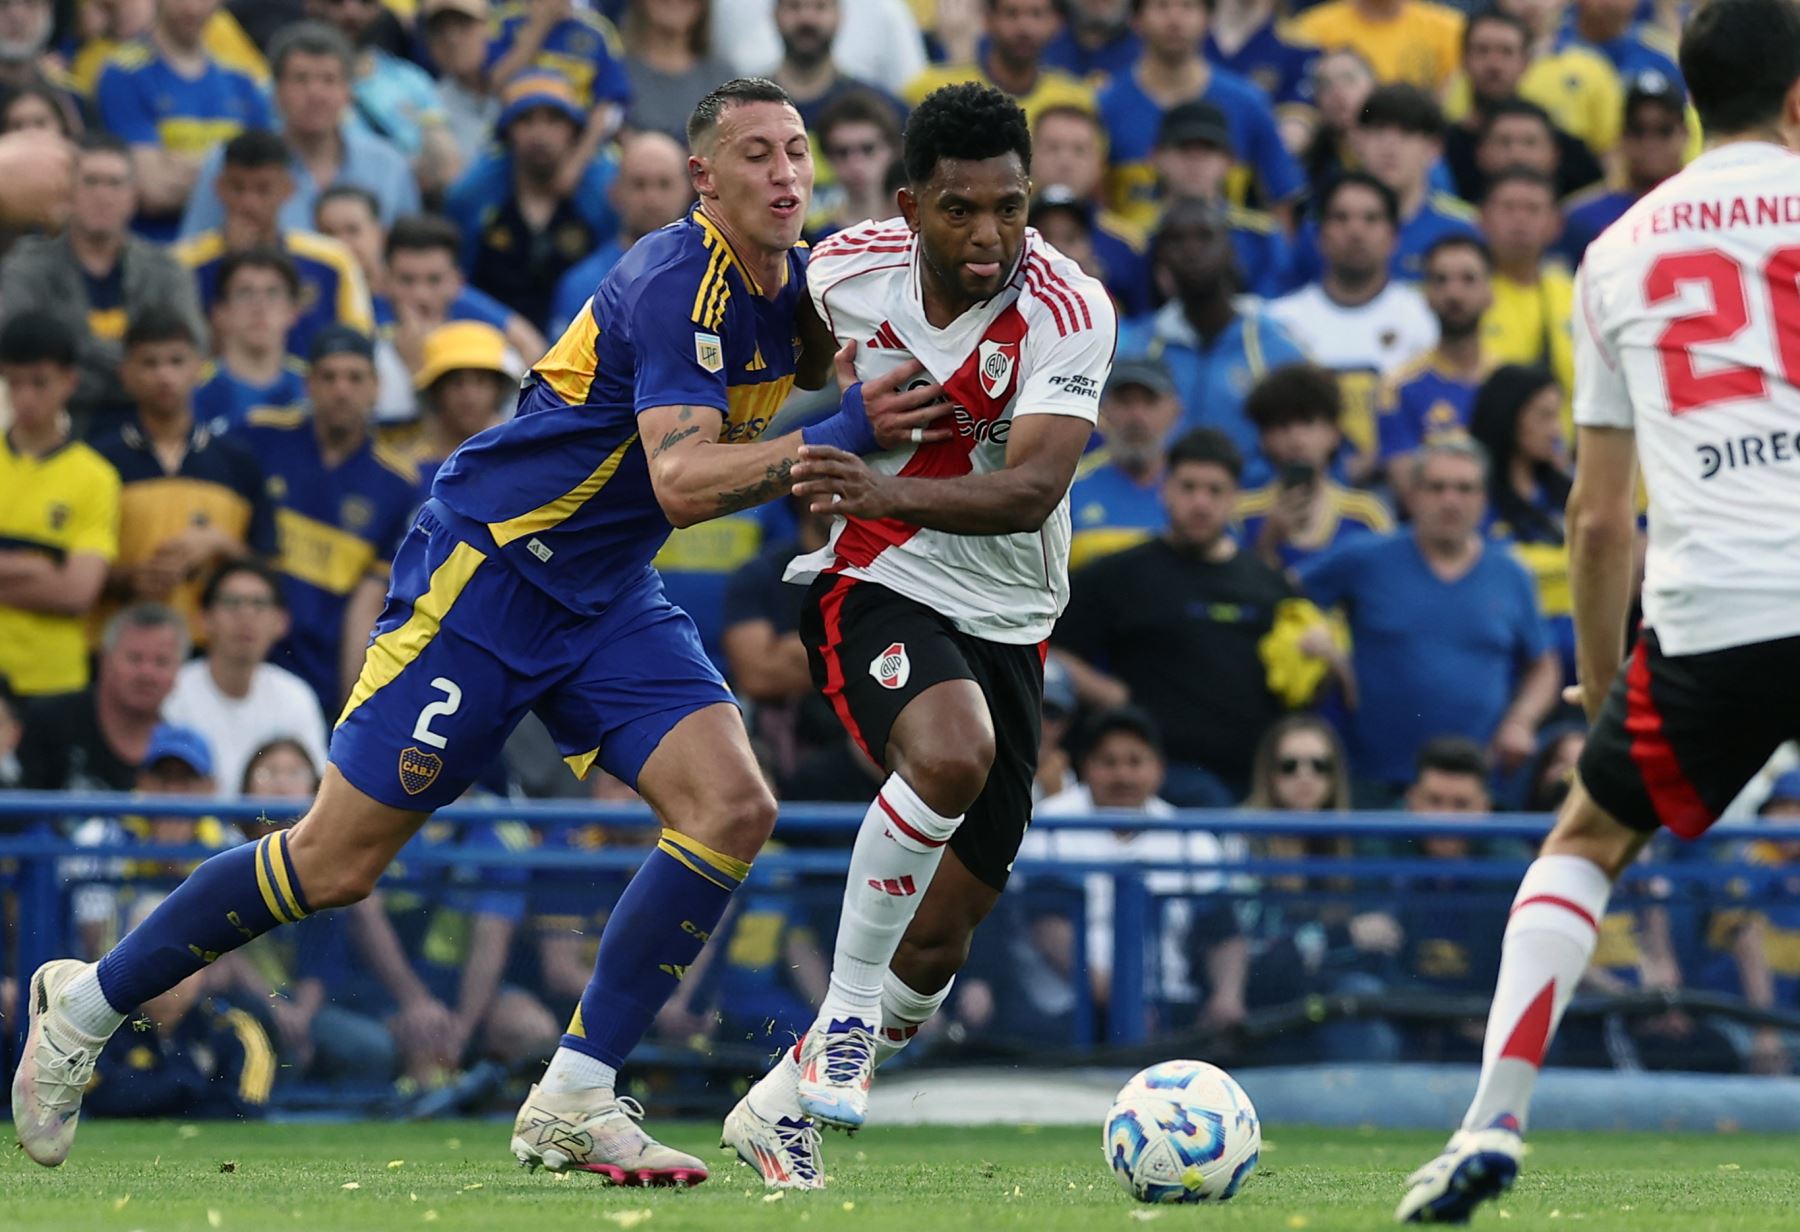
223 37
218 484
563 489
1108 511
1265 171
1350 514
61 504
106 302
143 101
334 527
332 290
224 401
584 48
1274 61
1422 403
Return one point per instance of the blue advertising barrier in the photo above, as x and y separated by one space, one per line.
33 843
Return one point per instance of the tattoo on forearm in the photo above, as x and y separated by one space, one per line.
674 438
776 480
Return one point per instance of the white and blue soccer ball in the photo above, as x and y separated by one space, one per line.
1182 1131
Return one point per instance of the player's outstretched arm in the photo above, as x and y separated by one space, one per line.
697 477
1602 529
1041 455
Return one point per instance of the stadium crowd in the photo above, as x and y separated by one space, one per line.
307 247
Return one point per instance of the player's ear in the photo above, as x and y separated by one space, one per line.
700 175
909 208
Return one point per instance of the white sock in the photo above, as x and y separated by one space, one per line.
897 850
777 1093
1550 937
572 1071
903 1012
86 1007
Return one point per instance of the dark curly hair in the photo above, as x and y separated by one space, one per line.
971 121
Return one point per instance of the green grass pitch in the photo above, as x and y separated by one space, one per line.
439 1176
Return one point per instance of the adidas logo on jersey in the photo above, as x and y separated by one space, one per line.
899 887
885 339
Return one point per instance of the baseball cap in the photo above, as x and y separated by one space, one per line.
1786 788
1059 197
539 89
1654 86
457 345
1150 374
183 744
477 9
1198 120
340 340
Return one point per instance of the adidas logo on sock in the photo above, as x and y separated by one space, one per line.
900 887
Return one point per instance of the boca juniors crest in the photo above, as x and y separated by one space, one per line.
418 769
995 362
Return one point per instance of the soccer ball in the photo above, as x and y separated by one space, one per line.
1182 1131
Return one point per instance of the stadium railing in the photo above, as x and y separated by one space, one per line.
35 849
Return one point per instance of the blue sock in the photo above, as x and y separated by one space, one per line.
654 933
234 897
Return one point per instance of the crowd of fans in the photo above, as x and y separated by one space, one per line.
307 247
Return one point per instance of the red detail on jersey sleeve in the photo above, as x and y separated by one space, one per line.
976 412
1531 1034
1064 300
1677 803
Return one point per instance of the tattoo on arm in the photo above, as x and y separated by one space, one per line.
776 480
674 438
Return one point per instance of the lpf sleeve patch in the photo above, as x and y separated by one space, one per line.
891 668
709 352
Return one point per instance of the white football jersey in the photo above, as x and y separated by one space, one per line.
1042 346
1687 329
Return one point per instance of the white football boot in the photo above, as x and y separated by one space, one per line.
596 1131
1476 1165
837 1063
784 1152
54 1070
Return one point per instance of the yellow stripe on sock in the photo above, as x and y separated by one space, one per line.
575 1026
263 883
258 1076
278 862
735 869
694 866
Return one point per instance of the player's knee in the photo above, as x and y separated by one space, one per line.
331 877
747 816
949 767
1586 830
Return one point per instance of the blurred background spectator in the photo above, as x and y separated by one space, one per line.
236 700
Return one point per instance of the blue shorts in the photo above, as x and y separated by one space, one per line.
466 646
